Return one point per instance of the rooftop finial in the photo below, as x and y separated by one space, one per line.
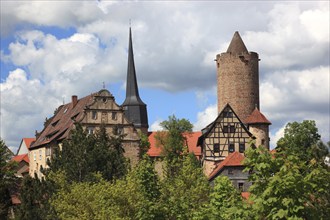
103 85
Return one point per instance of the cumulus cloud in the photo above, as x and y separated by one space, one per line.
22 106
174 45
206 117
155 126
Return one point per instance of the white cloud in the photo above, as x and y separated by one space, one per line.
23 109
174 45
155 126
206 117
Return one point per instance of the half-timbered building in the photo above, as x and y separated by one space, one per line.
225 135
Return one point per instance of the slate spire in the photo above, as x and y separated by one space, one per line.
237 45
135 109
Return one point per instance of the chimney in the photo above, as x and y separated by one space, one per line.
74 100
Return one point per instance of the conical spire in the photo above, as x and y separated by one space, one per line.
132 90
237 45
135 109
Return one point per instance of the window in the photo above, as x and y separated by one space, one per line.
65 110
90 130
40 154
241 187
216 148
230 171
114 115
119 130
48 151
231 148
228 114
241 147
104 100
94 115
262 141
34 156
225 129
232 128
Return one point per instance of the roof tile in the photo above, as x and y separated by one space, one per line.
155 151
256 117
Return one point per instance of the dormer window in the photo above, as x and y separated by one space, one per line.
65 110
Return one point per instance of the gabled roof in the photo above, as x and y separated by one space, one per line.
234 159
22 157
209 127
256 117
28 141
155 151
237 45
63 120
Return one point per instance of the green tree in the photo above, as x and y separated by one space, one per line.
226 202
144 144
107 155
184 194
293 182
84 155
34 196
73 156
132 197
172 142
7 179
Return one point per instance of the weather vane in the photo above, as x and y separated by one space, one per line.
103 85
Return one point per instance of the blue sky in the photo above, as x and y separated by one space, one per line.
53 50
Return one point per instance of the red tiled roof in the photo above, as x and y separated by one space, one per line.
245 195
19 158
192 138
28 142
62 122
232 160
257 117
15 200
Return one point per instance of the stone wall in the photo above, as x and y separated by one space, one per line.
238 82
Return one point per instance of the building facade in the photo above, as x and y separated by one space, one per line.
239 123
92 111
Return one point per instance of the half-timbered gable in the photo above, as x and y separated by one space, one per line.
225 135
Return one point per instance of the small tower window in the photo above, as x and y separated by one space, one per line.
262 141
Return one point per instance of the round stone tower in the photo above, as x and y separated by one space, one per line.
238 78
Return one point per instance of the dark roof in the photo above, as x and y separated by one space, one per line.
232 160
256 117
62 121
191 137
208 128
135 109
237 45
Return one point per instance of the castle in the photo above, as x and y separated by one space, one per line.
92 111
220 146
239 119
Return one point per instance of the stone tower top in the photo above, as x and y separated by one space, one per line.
237 45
